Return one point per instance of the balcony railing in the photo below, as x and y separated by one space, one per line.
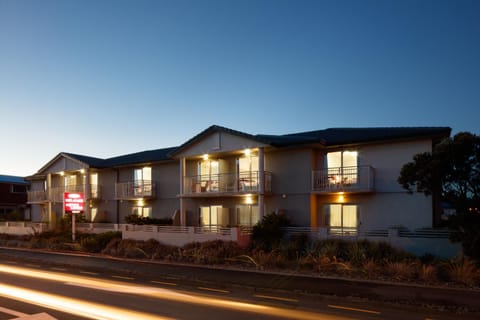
55 194
135 190
232 183
344 179
37 196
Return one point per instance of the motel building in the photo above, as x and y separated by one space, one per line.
341 180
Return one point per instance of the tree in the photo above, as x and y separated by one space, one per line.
451 170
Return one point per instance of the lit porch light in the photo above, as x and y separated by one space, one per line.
82 171
341 197
62 173
140 203
247 152
248 199
205 156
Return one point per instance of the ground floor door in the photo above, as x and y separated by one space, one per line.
246 214
342 219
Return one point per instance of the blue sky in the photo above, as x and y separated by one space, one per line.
106 78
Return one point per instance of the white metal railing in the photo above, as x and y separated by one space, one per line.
135 189
356 178
313 232
55 194
243 182
36 196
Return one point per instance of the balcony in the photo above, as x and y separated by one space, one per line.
56 193
226 184
344 179
36 196
134 190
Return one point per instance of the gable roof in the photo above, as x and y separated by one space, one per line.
330 136
325 137
90 161
213 129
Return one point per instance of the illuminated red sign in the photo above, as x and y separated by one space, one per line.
73 202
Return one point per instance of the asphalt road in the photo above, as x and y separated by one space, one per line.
185 292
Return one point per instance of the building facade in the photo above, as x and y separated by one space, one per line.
344 179
13 198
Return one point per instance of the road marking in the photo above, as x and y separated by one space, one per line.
122 277
162 282
275 298
13 312
353 309
213 289
58 269
87 272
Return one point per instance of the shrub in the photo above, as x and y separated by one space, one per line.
428 273
461 270
268 233
97 242
136 219
400 270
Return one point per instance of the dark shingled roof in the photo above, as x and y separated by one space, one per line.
132 158
339 136
331 136
141 157
326 137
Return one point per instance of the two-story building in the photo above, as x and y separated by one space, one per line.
344 179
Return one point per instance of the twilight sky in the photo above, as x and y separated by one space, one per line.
110 77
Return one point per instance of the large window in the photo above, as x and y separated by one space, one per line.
142 211
70 182
94 185
143 181
247 215
342 219
208 175
248 173
211 216
342 167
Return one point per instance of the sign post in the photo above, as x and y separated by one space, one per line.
73 202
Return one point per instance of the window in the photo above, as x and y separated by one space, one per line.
94 185
208 174
142 181
142 211
70 182
342 219
93 214
248 173
19 188
209 216
247 215
342 167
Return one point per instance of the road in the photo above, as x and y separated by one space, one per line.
33 287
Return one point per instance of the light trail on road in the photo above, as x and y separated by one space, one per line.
74 306
69 304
